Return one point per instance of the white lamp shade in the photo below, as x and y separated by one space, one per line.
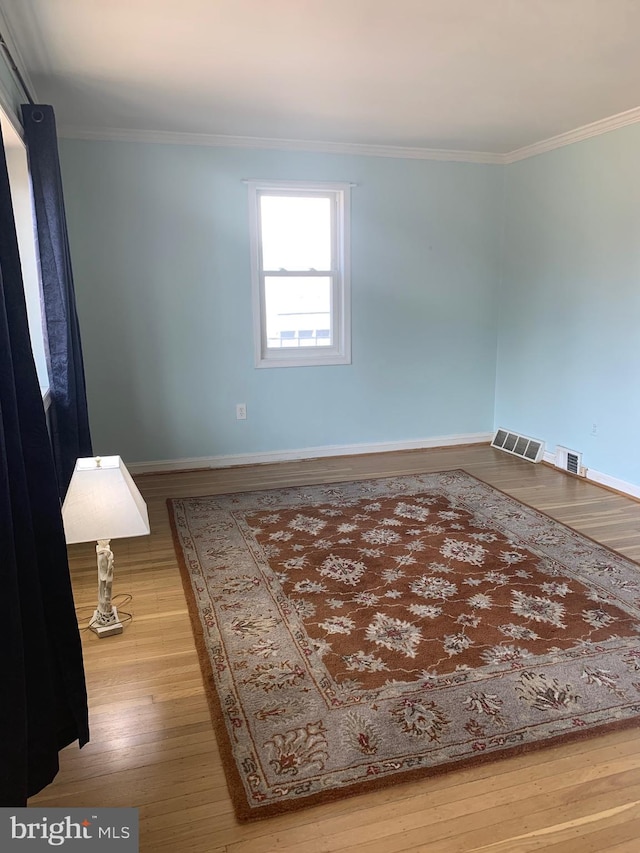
103 502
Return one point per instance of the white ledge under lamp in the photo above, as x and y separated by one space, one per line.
103 503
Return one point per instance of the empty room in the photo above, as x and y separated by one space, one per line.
319 417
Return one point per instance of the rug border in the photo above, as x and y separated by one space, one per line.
243 811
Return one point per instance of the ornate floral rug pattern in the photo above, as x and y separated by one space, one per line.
360 634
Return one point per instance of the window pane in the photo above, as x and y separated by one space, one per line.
298 312
20 188
296 232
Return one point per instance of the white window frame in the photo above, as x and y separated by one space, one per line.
24 216
340 350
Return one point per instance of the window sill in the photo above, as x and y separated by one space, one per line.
312 360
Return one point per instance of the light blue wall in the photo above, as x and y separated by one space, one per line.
569 317
159 238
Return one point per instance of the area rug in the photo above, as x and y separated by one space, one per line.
362 634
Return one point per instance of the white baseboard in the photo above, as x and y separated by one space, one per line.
602 479
613 483
230 460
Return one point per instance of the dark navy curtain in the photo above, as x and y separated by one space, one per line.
43 702
68 416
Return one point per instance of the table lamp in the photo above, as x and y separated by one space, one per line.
103 503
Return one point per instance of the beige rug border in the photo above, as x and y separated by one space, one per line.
245 812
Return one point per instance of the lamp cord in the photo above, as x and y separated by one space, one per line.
123 616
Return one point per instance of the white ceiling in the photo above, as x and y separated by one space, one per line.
475 75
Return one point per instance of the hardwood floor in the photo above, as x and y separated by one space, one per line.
152 741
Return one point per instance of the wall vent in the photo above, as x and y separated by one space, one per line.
569 460
531 449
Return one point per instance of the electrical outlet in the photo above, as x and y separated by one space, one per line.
241 411
594 429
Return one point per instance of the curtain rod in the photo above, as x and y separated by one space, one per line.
15 70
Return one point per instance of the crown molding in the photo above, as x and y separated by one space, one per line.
6 105
587 131
7 32
7 96
164 137
222 141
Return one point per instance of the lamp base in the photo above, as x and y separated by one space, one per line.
113 627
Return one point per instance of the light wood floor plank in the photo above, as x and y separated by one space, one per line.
153 744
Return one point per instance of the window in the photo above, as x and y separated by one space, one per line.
20 187
300 268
